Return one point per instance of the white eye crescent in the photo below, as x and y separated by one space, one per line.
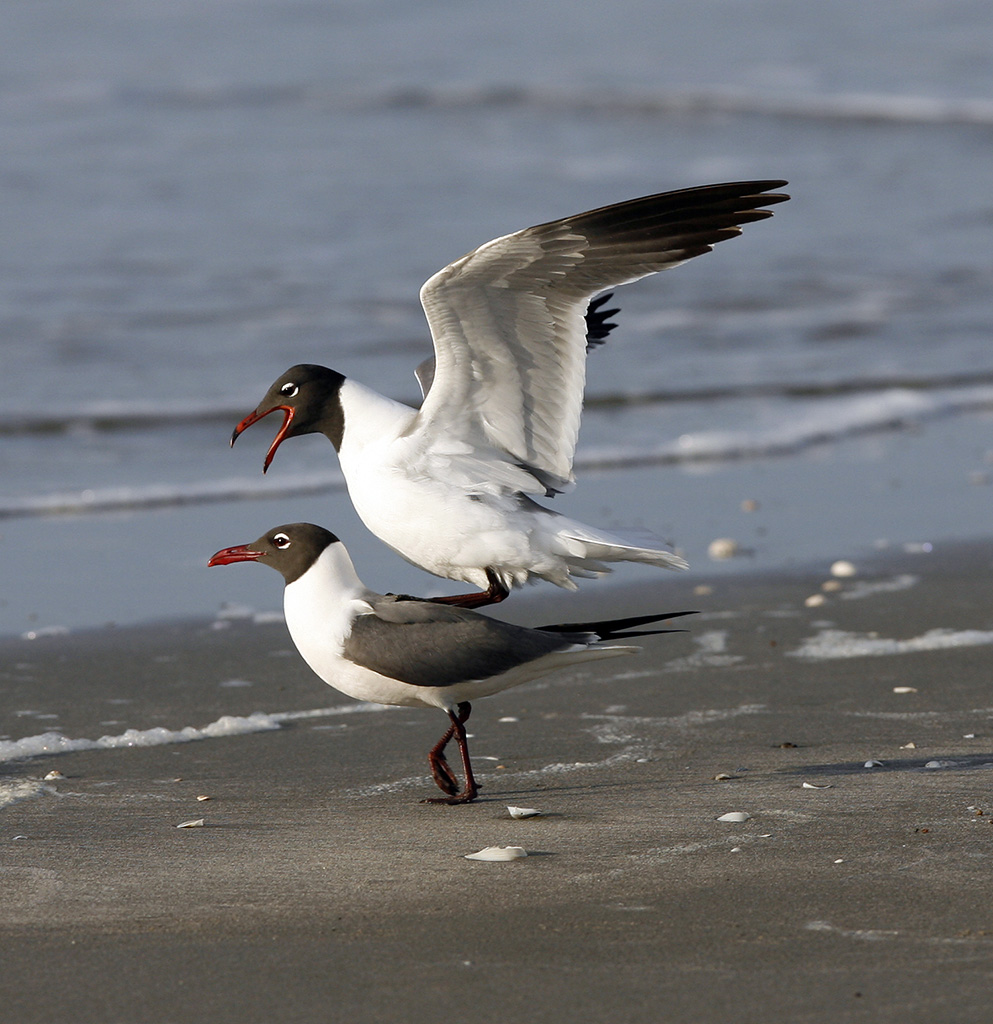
281 541
289 390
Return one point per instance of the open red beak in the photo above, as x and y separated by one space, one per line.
280 435
241 553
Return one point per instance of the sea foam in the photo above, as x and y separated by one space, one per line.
836 643
226 725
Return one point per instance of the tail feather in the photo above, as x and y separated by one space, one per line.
618 629
590 548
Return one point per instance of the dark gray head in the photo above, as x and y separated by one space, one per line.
307 395
290 550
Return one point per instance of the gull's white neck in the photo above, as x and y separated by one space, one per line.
370 417
320 605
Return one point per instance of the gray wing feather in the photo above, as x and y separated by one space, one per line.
427 644
425 375
508 319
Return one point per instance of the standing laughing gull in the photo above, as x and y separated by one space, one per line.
393 650
448 486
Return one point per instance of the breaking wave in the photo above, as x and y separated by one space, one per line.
848 107
834 416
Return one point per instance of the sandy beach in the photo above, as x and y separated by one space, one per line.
198 196
318 888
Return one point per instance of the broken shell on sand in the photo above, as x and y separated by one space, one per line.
524 812
498 853
723 547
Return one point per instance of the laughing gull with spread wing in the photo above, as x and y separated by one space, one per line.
448 486
393 650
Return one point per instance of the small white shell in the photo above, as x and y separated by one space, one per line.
909 746
843 568
202 797
814 601
524 812
723 547
195 823
810 785
735 816
498 853
905 689
873 763
52 775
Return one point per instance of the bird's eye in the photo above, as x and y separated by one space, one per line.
281 541
289 390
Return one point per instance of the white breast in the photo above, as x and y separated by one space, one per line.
319 608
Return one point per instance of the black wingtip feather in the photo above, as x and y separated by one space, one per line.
597 327
616 629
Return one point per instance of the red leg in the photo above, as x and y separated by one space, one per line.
457 729
496 593
441 771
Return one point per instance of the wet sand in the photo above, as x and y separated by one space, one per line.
320 889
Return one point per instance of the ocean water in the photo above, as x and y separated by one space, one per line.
197 196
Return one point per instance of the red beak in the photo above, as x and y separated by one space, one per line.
241 553
280 435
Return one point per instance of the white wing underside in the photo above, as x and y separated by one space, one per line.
503 406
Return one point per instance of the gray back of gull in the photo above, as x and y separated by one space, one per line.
426 644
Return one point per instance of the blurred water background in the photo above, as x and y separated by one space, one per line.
195 196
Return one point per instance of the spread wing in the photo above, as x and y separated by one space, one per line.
598 328
509 320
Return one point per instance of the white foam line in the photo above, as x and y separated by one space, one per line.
558 768
836 643
806 424
227 725
900 108
865 934
868 588
812 422
712 653
152 496
690 719
22 789
912 715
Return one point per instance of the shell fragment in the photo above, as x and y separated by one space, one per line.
524 812
195 823
735 816
843 568
495 853
723 547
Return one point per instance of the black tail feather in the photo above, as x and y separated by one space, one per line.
618 629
